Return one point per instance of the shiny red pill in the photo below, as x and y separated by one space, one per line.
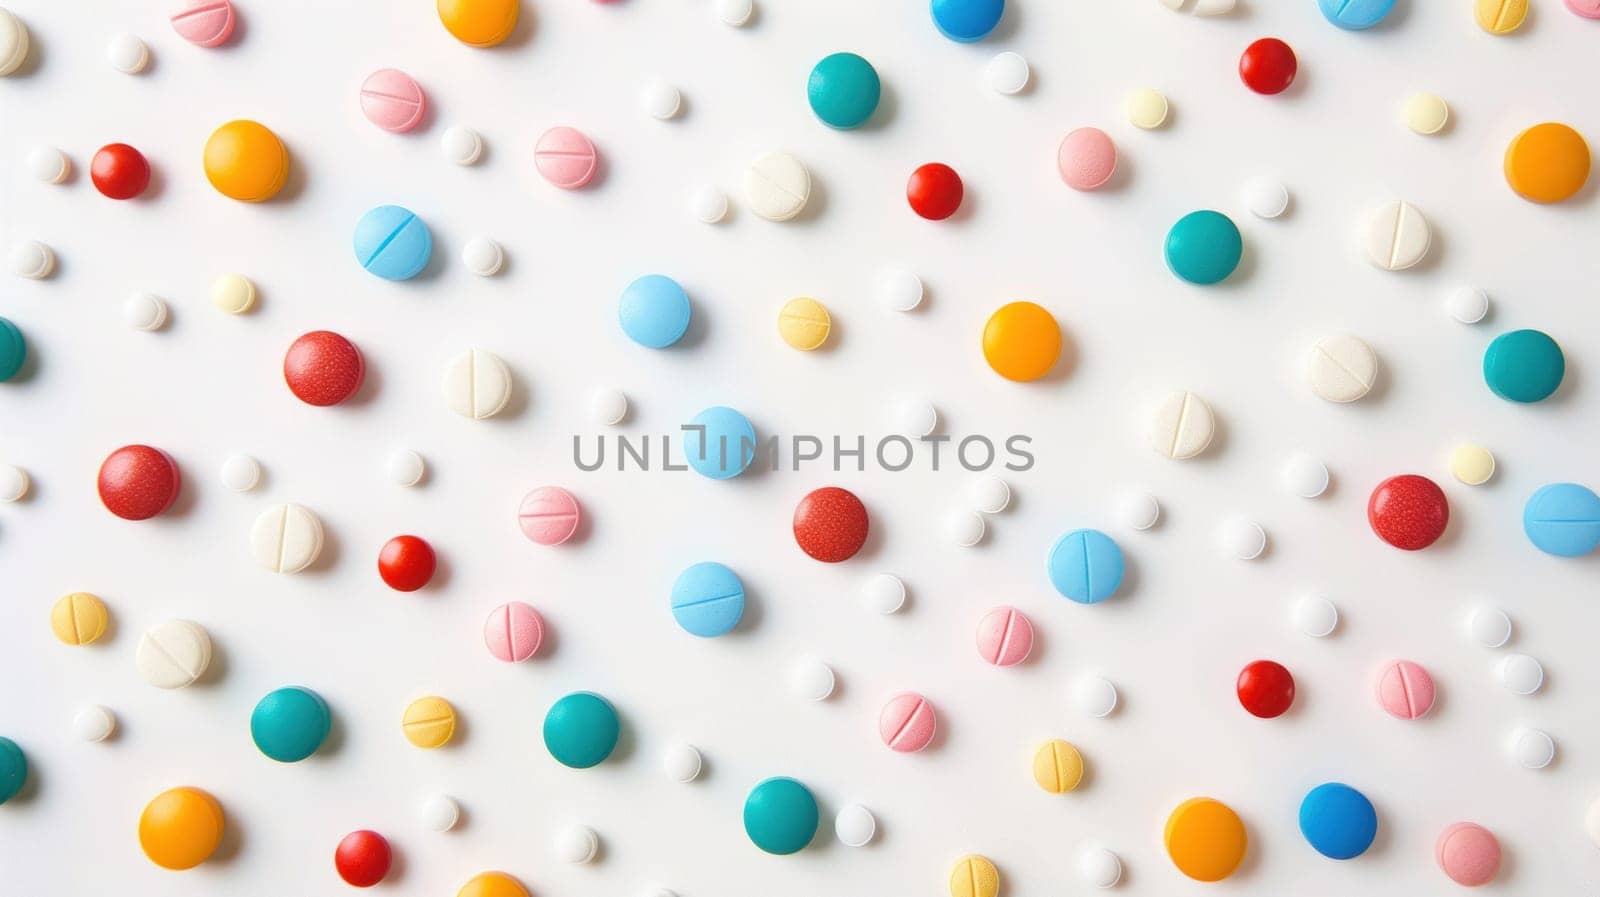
1268 66
362 858
1265 688
1408 511
323 368
830 524
406 563
119 171
934 191
138 482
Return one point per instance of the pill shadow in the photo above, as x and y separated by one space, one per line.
294 183
217 668
1121 176
549 642
754 611
367 393
232 842
334 742
816 203
1066 363
697 332
1563 394
156 186
328 557
627 742
523 34
1009 26
35 59
397 868
885 113
1252 857
29 369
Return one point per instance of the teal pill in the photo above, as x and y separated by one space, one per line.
13 350
1204 247
780 815
843 90
393 243
289 724
1524 366
13 769
581 730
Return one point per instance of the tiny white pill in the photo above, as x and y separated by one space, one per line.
1316 616
900 289
1099 867
777 186
1489 627
811 679
93 723
461 145
577 844
286 538
32 259
1007 73
405 467
659 99
173 654
1266 198
127 54
144 311
1304 476
707 204
855 826
1521 674
884 593
241 473
1095 696
49 164
439 813
1139 511
1243 539
1397 236
608 407
477 384
483 256
14 483
989 495
734 12
682 762
1469 305
1183 426
1532 748
916 418
1341 368
964 528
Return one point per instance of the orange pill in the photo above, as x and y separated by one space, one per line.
180 828
492 884
479 23
1205 839
1021 341
1547 162
244 160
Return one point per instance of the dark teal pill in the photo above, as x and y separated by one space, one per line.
13 350
1524 366
581 730
1204 247
289 724
843 90
780 815
13 769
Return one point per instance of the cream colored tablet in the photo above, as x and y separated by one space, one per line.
1183 426
1341 368
14 483
173 654
1397 236
13 42
1426 113
286 538
1147 108
233 293
1472 464
477 384
776 186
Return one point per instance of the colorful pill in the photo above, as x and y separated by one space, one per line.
362 858
1204 247
934 191
180 828
492 884
13 768
393 100
566 158
974 876
843 90
323 368
1548 162
290 724
429 722
780 815
206 23
1205 839
581 730
13 350
79 619
1355 15
1338 821
513 632
719 443
708 599
479 23
830 524
1265 689
1524 366
549 515
1408 511
1563 519
966 21
1005 636
907 723
1500 16
406 563
1021 341
1268 66
245 160
1057 766
137 482
1086 566
654 311
1405 690
1468 854
119 171
1086 159
393 243
804 324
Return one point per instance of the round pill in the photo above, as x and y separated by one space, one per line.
483 256
1243 539
119 171
1468 305
654 311
1397 236
1563 519
843 90
577 844
1471 464
392 100
1139 511
804 324
1489 627
144 311
49 164
566 158
127 54
1266 198
362 858
707 599
1265 689
1355 15
479 23
1099 867
439 813
173 654
406 563
1304 476
830 524
1005 636
1524 366
549 515
205 23
682 762
393 243
1468 854
810 679
1408 511
1205 839
581 729
429 722
1146 108
477 384
32 259
708 204
13 42
290 724
1086 159
137 482
233 293
405 467
1021 341
734 12
1589 9
513 632
884 593
1500 16
974 876
14 483
1007 73
461 145
1341 368
916 418
989 495
93 723
1268 66
719 443
660 100
1532 748
1095 696
1086 566
13 350
966 20
780 815
1057 766
907 723
245 160
1405 690
79 618
934 191
1338 821
900 290
1182 426
323 368
1316 616
180 828
964 528
13 763
1520 674
241 473
286 538
854 826
492 884
1204 247
608 407
1426 113
776 186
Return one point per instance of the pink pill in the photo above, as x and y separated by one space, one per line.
391 100
1005 636
1086 159
907 722
566 158
512 632
206 23
1405 690
1468 853
1589 9
549 515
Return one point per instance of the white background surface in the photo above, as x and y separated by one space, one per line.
1173 640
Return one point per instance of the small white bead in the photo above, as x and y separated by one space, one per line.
1139 511
989 495
884 593
1489 627
577 844
1469 305
682 762
854 825
32 259
811 679
439 813
14 483
241 473
1521 674
1266 198
405 467
901 290
1243 539
49 164
1532 748
608 407
483 256
734 12
660 100
127 54
916 418
94 723
964 528
1007 73
1316 616
1099 867
1304 476
707 204
1095 696
144 311
461 145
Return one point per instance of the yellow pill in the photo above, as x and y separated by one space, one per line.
804 323
1057 766
1426 113
1548 162
1021 341
492 884
1472 464
479 23
1205 839
1147 108
1500 16
233 293
180 828
974 876
429 722
79 618
244 160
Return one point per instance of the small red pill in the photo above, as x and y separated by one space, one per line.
1408 511
119 171
1265 688
362 858
934 191
1268 66
138 482
323 368
406 563
830 524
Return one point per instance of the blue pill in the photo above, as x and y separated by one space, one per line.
1086 566
1563 519
654 311
13 769
780 815
289 724
1204 247
707 599
393 243
1338 821
967 20
843 90
1355 15
581 730
1524 366
13 350
725 447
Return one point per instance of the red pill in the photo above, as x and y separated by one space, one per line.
362 858
323 368
934 191
406 563
119 171
1268 66
830 524
1408 511
1265 688
138 482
